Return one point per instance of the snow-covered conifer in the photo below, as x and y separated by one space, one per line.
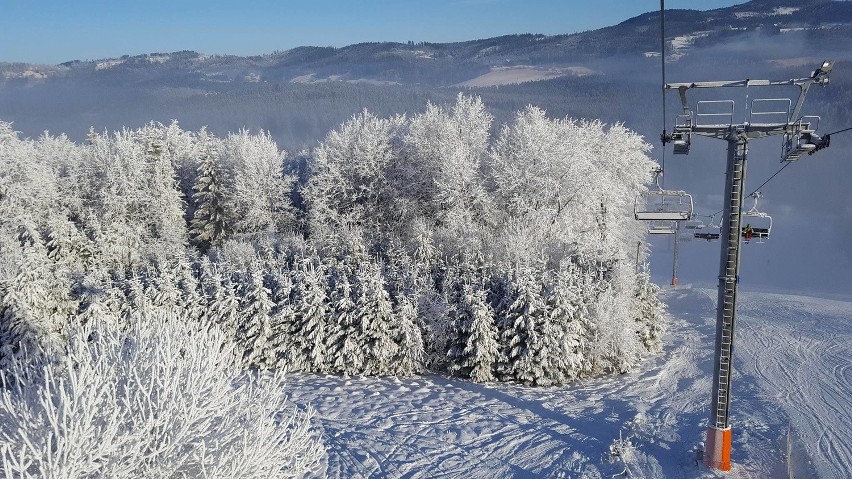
521 331
475 351
311 310
255 329
409 358
36 306
374 312
648 312
345 354
208 225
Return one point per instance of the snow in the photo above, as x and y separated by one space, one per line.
159 58
312 78
777 11
681 43
523 73
107 64
785 10
792 369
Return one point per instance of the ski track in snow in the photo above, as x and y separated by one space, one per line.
792 370
800 350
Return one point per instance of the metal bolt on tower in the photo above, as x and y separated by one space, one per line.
761 123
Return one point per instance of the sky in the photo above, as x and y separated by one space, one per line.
56 31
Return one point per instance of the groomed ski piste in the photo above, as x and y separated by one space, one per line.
792 380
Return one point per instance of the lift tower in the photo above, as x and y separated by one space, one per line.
767 117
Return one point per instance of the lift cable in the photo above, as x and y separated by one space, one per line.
762 184
770 178
663 65
788 163
838 131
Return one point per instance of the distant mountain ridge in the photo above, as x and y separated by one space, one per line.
446 64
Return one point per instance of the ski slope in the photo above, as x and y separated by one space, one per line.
792 358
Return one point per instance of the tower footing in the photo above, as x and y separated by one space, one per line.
717 448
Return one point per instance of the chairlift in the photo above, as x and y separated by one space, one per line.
709 231
802 139
762 226
663 205
658 227
693 225
681 136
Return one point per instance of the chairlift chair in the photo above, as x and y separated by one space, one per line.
658 227
801 139
663 205
693 225
709 231
763 221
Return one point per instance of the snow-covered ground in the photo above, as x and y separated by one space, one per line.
498 76
792 366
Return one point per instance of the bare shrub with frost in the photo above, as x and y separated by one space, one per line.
162 399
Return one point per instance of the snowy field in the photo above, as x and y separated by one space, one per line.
792 356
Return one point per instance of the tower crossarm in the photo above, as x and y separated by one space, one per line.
818 77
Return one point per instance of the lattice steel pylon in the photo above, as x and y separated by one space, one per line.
717 449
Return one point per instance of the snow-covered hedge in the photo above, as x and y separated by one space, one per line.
157 398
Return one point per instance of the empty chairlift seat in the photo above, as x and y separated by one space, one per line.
662 205
662 227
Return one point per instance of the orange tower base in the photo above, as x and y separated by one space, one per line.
717 448
674 281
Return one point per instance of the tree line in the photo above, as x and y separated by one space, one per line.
398 245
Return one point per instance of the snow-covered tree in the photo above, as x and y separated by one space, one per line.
409 357
36 307
521 324
259 196
474 352
208 226
310 331
255 329
554 179
159 398
441 173
649 312
348 184
374 310
568 316
344 332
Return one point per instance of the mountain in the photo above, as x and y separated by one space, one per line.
447 64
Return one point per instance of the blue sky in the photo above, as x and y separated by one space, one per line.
54 31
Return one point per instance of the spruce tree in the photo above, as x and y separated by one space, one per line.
255 328
374 312
649 312
344 334
521 334
311 316
409 357
283 318
209 220
481 349
36 306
